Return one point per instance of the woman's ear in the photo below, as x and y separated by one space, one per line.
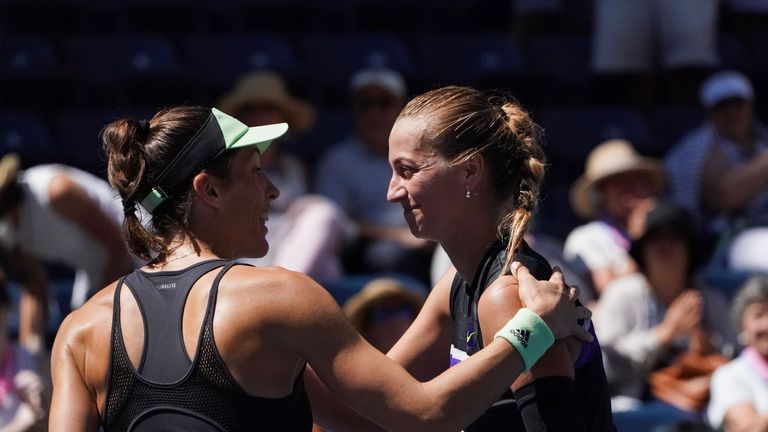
473 170
207 189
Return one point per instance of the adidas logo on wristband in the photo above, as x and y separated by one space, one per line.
522 336
519 332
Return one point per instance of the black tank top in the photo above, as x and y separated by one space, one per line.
171 392
590 381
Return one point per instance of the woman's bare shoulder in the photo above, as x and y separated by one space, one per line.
271 287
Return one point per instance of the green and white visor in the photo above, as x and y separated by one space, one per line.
219 133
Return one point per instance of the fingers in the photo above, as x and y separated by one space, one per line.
573 293
520 271
557 276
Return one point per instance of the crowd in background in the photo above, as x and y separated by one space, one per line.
655 201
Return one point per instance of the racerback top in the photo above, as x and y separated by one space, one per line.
170 392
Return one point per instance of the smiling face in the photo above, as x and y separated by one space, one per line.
426 185
248 193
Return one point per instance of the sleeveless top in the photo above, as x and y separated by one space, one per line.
590 381
168 391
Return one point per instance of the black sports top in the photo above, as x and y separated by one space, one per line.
591 398
170 392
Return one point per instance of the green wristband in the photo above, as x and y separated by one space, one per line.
528 334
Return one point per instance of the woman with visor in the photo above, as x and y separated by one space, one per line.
197 341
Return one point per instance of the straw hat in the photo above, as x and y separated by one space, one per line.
263 87
380 291
9 168
612 157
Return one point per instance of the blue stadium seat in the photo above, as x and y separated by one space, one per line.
570 134
669 124
77 133
732 53
561 66
25 54
468 60
28 136
30 73
331 127
123 69
218 61
331 60
121 55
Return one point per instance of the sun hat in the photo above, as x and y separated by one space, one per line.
219 132
265 87
9 168
612 157
381 292
388 79
725 85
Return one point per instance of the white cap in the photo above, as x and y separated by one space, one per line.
725 85
387 79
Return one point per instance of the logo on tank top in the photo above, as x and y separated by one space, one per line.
167 285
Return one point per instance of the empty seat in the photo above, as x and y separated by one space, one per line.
26 54
571 133
469 60
77 133
123 69
329 61
216 62
331 127
28 136
560 64
669 124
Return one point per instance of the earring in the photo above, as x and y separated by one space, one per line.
468 193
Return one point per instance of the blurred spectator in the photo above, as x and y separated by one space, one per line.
23 400
613 192
58 214
719 171
383 310
653 318
356 173
740 388
306 232
629 35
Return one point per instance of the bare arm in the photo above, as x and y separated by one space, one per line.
742 417
363 378
33 304
74 204
422 351
728 188
73 407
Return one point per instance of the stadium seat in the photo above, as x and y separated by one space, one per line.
560 66
331 127
77 133
329 61
571 133
215 62
123 69
28 136
468 60
669 124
